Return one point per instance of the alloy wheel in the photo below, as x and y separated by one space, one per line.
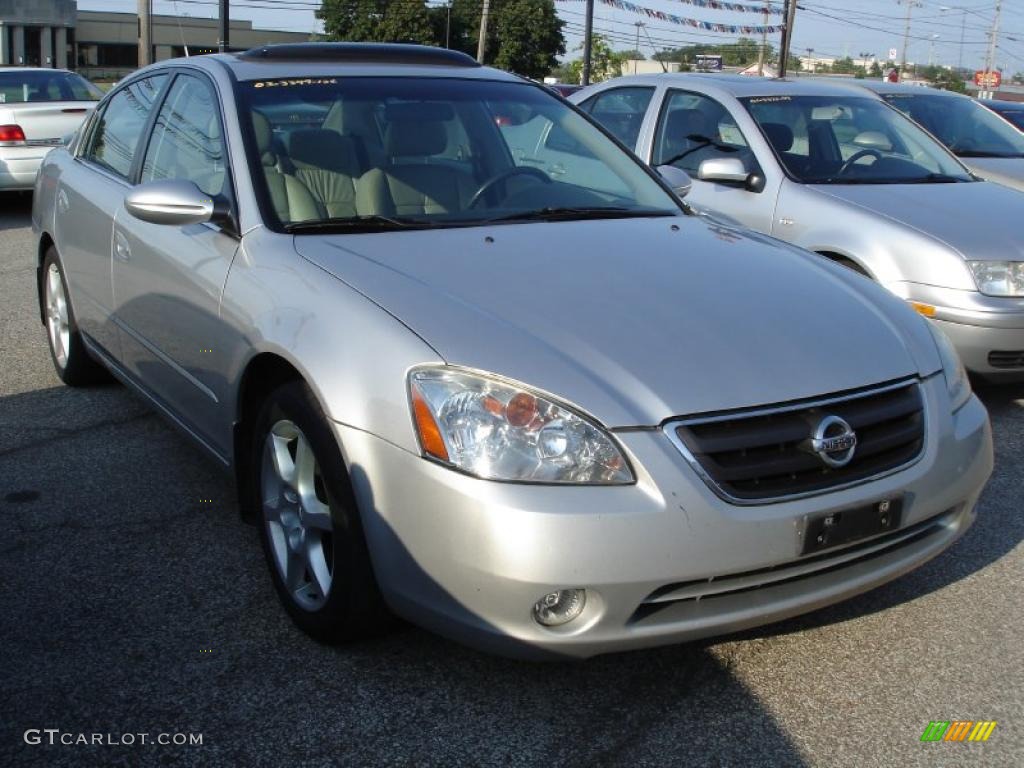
57 324
297 515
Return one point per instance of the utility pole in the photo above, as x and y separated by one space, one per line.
448 26
764 42
787 36
481 46
906 34
810 60
636 62
145 32
990 57
588 33
225 36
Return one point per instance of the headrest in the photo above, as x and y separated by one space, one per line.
779 134
684 122
264 138
418 111
319 148
407 138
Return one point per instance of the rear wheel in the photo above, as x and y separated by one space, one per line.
310 527
70 358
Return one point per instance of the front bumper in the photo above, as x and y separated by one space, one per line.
468 558
978 325
19 166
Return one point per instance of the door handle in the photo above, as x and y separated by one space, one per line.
122 252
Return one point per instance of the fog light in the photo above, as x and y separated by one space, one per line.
561 607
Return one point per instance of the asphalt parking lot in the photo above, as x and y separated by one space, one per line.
135 601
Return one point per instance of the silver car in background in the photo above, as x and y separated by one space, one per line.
986 143
39 110
549 415
833 169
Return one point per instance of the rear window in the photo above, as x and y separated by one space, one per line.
34 86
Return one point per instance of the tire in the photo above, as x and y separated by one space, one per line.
71 359
309 523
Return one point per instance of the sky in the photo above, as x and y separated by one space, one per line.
830 27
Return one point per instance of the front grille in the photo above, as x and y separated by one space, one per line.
765 455
1006 359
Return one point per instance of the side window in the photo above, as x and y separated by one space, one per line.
693 128
187 142
119 128
621 111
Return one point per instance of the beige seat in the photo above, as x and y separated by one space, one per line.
291 198
326 163
411 184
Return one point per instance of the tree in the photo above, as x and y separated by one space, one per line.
377 21
605 63
523 36
529 37
943 78
843 66
875 70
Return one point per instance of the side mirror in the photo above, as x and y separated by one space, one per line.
730 170
873 140
176 202
676 178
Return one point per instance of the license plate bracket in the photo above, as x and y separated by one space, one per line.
833 529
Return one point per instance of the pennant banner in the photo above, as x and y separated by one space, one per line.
708 26
739 7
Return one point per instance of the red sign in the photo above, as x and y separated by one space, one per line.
988 80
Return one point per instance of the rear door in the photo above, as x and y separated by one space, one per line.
90 190
168 279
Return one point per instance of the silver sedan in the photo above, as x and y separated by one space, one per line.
39 109
546 414
833 169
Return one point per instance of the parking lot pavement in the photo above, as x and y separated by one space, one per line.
131 605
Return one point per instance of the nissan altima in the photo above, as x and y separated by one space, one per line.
550 413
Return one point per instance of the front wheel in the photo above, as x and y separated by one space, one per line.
310 527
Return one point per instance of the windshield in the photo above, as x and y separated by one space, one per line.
962 124
850 140
388 152
33 86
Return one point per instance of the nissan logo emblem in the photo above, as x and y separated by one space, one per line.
834 442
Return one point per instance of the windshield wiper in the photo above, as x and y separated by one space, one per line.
373 223
980 153
933 178
579 213
702 142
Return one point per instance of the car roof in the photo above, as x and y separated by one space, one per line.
297 60
739 86
879 86
34 69
1004 105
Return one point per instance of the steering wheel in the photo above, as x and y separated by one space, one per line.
505 175
857 156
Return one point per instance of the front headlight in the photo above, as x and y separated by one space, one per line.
500 430
999 278
954 371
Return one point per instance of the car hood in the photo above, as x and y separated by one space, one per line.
979 220
636 320
1008 171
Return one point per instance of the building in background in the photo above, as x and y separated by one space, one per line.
105 45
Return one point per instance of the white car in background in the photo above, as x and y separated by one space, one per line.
38 109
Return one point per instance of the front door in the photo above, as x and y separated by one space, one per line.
692 128
168 279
